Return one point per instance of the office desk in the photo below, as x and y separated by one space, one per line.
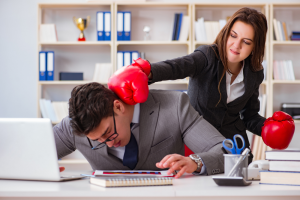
190 187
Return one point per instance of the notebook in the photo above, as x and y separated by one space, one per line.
125 181
28 150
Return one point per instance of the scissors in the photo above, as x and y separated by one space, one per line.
234 145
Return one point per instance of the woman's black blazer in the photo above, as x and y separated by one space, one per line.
204 68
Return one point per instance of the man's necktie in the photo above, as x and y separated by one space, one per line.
131 152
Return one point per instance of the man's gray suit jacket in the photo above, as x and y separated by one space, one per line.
167 122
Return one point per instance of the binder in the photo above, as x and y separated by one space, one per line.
50 66
175 27
134 56
42 65
100 21
179 26
120 59
127 26
127 58
107 26
120 26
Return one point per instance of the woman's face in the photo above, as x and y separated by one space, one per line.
240 42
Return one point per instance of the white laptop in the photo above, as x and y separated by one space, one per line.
27 150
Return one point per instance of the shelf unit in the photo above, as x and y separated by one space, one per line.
61 15
285 91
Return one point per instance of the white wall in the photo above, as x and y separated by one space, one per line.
18 54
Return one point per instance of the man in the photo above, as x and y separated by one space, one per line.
113 135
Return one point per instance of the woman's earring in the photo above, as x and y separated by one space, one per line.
252 53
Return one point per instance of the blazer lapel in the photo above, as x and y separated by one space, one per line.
249 82
148 120
223 83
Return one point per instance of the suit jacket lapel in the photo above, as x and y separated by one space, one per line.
223 83
148 120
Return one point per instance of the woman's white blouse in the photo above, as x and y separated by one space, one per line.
237 88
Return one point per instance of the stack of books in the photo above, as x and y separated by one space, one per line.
284 168
283 70
295 35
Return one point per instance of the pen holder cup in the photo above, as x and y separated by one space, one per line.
230 160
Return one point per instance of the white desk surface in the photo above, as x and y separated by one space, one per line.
189 187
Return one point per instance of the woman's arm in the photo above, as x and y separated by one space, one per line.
178 68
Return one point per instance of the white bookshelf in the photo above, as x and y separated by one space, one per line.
285 91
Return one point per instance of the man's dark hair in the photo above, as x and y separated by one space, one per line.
88 105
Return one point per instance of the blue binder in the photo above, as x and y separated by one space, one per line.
134 55
107 26
179 26
127 58
120 26
50 65
100 21
127 25
43 65
120 59
175 26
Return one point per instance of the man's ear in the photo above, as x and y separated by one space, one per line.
119 107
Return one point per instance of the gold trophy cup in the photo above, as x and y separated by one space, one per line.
81 25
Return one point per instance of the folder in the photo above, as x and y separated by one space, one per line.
100 20
50 66
179 26
127 58
134 56
120 26
120 59
175 26
127 26
107 26
42 65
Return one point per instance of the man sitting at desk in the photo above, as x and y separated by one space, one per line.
113 135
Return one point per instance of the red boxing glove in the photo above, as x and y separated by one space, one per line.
131 82
278 130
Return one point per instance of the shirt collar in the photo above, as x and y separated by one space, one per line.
136 114
240 76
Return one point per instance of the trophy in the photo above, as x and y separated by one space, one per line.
81 25
147 35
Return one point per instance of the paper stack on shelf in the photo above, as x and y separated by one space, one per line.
283 70
48 33
284 168
55 110
258 147
102 72
207 31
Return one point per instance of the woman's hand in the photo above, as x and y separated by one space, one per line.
177 162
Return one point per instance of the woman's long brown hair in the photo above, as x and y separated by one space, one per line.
259 23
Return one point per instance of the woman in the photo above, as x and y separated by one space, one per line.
225 76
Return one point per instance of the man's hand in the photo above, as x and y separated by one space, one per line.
61 169
177 162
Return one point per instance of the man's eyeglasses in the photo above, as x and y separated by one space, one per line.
110 138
